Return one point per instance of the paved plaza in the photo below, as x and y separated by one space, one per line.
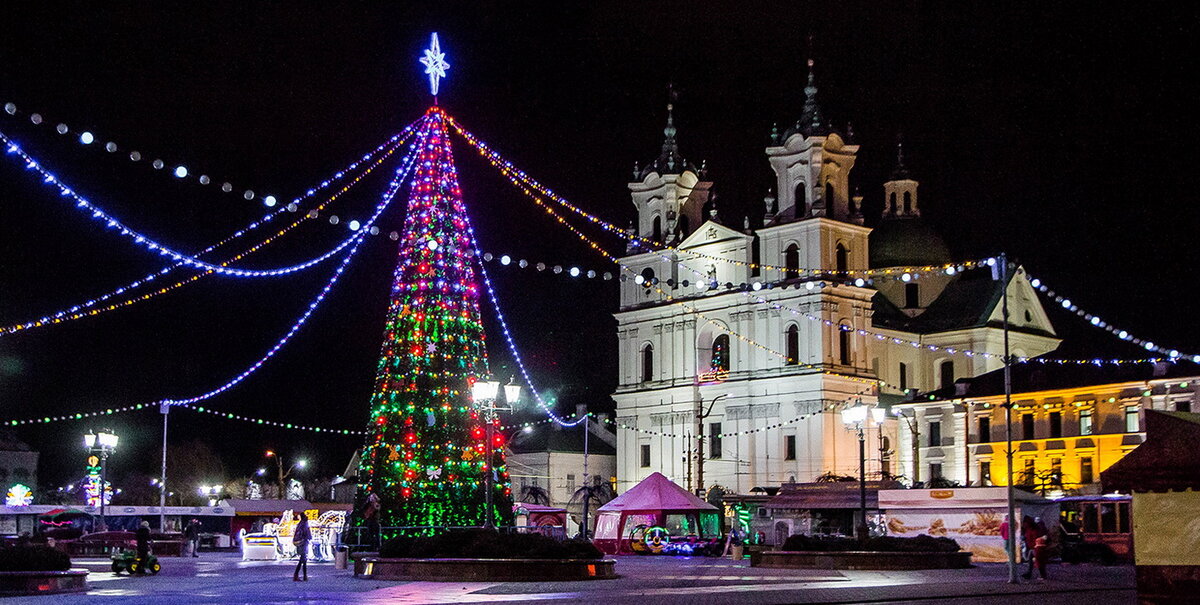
224 578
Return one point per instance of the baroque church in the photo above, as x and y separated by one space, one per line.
757 338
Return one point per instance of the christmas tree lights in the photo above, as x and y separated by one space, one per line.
426 458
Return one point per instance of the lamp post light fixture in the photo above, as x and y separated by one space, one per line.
281 475
213 492
484 393
101 445
858 418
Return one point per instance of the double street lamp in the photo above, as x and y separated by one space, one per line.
101 445
282 475
485 394
857 418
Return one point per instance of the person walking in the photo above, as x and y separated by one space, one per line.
1041 555
143 545
371 516
1031 530
191 533
301 536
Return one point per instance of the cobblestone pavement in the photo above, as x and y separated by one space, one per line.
224 578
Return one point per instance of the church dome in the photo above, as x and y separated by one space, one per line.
904 242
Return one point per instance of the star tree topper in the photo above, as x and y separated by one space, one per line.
435 63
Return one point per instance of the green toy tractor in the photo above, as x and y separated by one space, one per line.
127 560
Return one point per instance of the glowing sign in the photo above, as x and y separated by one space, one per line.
19 495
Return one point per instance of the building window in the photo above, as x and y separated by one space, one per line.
985 473
1183 405
801 198
935 471
789 447
842 258
829 195
1056 471
755 257
1085 471
791 262
935 434
1028 476
571 479
903 377
912 295
793 345
1055 425
844 336
720 354
1027 426
985 429
947 374
714 440
892 202
907 202
656 229
1131 420
645 455
1085 422
647 362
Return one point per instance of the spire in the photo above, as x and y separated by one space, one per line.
669 161
812 121
900 172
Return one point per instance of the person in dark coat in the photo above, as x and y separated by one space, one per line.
191 534
301 536
143 543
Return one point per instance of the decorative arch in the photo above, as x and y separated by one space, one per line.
946 373
791 261
656 228
845 343
791 337
720 352
842 257
647 362
907 202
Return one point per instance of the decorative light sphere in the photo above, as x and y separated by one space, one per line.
61 128
292 207
269 201
248 195
204 180
393 236
180 171
333 220
574 271
906 277
353 225
226 187
86 138
110 147
432 245
374 230
505 260
36 118
638 279
158 164
10 108
591 274
135 156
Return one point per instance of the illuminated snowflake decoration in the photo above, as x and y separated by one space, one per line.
19 495
435 64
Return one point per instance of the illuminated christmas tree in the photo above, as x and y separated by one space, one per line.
426 459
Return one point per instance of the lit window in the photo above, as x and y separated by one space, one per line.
1131 420
1085 422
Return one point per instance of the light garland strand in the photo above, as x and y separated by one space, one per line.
388 196
574 271
111 222
78 415
85 309
274 423
179 171
507 167
1096 321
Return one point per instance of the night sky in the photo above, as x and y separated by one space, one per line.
1065 136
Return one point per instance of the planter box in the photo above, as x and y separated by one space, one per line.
861 560
483 570
18 583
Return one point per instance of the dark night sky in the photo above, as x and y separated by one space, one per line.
1062 135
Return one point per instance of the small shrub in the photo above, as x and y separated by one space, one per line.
921 543
33 558
487 544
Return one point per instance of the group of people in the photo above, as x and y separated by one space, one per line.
1035 544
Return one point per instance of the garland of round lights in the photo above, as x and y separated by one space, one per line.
388 196
180 171
85 309
77 415
284 425
507 168
507 261
1095 321
97 214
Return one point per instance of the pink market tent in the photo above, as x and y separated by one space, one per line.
655 502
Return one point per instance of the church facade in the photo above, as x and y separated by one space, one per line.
756 339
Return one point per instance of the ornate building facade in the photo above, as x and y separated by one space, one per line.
756 338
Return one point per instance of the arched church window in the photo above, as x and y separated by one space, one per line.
720 354
844 340
907 202
947 374
828 194
647 362
792 336
656 229
791 262
801 199
684 226
892 203
755 256
647 277
842 258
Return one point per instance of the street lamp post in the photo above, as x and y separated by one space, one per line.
164 409
485 392
857 417
101 444
283 476
701 414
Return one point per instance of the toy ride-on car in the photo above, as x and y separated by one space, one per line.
127 560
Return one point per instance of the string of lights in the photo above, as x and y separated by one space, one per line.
111 222
86 309
508 261
1096 321
508 168
180 171
388 196
78 415
264 422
